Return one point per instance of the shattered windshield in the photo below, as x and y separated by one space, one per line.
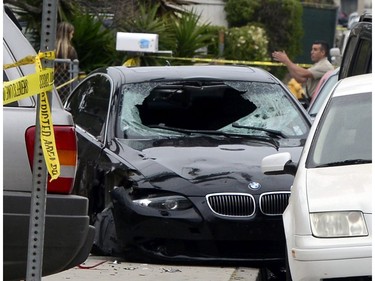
154 109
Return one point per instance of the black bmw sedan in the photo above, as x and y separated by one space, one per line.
171 157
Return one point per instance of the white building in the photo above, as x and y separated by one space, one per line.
212 11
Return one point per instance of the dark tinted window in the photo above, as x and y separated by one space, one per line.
89 104
362 59
349 51
5 77
358 52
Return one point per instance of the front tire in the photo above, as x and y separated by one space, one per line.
105 241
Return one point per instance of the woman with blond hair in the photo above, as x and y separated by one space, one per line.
65 53
64 47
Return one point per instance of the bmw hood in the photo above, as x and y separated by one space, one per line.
340 188
209 164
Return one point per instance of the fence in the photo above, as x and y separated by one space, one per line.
66 76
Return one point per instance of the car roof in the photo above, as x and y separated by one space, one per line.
209 72
357 84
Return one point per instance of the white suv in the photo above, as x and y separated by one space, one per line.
328 221
68 236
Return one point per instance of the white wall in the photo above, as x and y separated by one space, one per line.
211 11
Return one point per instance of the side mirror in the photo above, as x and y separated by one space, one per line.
334 52
336 56
278 164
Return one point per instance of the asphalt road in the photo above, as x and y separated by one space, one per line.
111 269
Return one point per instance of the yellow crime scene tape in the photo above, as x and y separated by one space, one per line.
40 82
223 61
28 86
66 83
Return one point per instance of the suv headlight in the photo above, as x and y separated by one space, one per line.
168 203
338 224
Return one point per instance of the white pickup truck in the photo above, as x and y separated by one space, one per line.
68 237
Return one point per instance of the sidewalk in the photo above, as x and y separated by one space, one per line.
108 268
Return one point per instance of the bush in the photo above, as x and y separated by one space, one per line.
249 42
282 20
148 21
240 11
190 35
94 43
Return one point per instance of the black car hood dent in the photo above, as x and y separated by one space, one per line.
196 166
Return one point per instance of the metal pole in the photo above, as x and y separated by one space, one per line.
221 42
39 180
75 73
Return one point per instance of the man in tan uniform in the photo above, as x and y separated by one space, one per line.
308 77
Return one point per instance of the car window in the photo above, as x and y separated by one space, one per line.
207 105
349 50
323 93
5 77
344 132
357 57
362 60
89 104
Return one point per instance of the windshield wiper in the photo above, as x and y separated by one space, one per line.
269 131
217 133
345 162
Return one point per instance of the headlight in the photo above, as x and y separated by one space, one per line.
169 203
338 224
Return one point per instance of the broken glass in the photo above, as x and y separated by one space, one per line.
208 105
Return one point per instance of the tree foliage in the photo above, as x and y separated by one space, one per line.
95 33
189 35
94 43
148 21
180 31
285 28
249 42
281 19
240 12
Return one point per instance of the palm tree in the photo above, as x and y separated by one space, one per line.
93 34
30 11
128 10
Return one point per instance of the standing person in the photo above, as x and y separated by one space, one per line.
64 36
64 50
309 77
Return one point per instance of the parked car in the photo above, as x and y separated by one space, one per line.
357 58
68 237
173 152
328 221
324 88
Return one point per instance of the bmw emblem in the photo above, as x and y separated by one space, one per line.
254 185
